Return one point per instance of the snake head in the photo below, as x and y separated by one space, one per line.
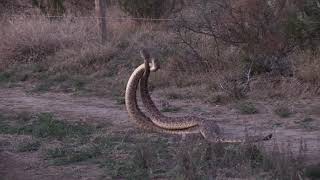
145 55
154 65
150 63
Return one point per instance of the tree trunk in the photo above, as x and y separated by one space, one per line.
101 7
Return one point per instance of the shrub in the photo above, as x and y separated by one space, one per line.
307 66
47 126
50 7
28 145
303 24
247 108
283 111
148 9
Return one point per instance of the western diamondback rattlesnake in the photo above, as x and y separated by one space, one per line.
134 111
208 129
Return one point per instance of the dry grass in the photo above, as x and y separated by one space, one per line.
283 111
65 54
139 156
60 49
308 67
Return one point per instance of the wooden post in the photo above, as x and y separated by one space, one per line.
101 7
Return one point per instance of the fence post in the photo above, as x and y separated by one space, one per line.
101 6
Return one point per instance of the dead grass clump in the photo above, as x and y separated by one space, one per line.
308 67
247 108
27 145
167 107
283 111
313 171
28 41
70 46
200 160
87 59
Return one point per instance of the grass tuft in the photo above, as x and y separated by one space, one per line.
247 108
166 107
313 172
4 77
28 145
46 125
283 112
71 154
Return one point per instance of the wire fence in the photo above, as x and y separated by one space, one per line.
109 18
93 17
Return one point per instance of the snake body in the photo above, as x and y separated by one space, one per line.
134 111
207 128
156 116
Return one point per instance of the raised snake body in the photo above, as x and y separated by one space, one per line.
160 123
208 129
134 111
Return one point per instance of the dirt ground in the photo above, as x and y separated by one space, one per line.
286 131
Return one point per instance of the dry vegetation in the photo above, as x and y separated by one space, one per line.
64 54
144 156
197 63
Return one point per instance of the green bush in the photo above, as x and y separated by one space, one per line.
148 9
303 25
283 112
50 7
247 108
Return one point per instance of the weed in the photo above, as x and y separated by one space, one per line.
307 120
173 95
283 111
247 108
217 98
61 81
200 160
307 123
43 86
78 83
43 125
277 124
24 117
144 158
46 125
60 77
4 77
166 107
71 154
313 172
28 145
120 100
135 167
170 109
6 128
315 110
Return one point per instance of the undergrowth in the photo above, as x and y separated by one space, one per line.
65 55
135 155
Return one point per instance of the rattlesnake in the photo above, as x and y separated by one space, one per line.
208 129
135 113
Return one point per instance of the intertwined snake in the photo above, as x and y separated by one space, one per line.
134 111
160 123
